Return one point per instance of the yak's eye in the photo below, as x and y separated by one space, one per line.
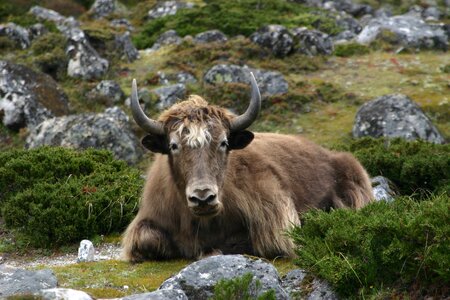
224 145
173 147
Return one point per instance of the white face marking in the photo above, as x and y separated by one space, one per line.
197 136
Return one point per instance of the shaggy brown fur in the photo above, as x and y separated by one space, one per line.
262 189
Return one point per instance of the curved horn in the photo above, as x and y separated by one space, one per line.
246 119
149 125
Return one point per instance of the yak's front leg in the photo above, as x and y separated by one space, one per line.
144 240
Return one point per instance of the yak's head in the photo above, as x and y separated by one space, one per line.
198 138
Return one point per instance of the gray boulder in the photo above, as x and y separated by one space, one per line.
108 91
393 116
119 23
18 281
168 8
16 33
199 278
84 61
169 94
159 295
348 23
270 82
27 97
62 294
37 30
86 251
102 8
317 289
274 37
408 31
312 42
383 189
126 48
109 130
432 13
210 36
169 37
185 77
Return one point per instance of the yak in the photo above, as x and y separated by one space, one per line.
215 187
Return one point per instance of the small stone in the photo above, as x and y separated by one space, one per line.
86 251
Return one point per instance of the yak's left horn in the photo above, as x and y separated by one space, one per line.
246 119
149 125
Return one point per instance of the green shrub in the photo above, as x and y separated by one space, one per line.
227 16
350 49
414 166
54 196
241 288
50 54
401 245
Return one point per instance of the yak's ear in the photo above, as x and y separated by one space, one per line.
156 143
240 139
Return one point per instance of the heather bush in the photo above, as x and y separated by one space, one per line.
401 245
54 196
414 166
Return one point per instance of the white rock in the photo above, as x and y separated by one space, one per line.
86 251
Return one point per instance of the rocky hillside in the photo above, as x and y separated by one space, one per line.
333 71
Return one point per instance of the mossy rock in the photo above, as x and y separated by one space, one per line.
54 196
50 54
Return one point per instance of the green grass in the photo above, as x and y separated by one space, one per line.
227 16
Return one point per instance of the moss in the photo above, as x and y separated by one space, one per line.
227 16
50 55
445 69
350 49
54 196
402 245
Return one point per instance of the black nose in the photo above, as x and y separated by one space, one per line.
202 196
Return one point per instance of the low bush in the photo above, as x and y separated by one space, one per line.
243 287
227 16
54 196
414 166
401 245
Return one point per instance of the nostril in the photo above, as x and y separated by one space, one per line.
210 198
194 199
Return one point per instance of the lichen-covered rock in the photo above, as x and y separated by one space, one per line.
118 23
210 36
109 91
274 37
109 130
169 37
17 282
86 251
27 98
168 8
62 294
37 30
171 294
316 290
126 48
383 189
84 61
269 82
393 116
199 278
432 13
16 33
408 31
312 42
169 94
102 8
